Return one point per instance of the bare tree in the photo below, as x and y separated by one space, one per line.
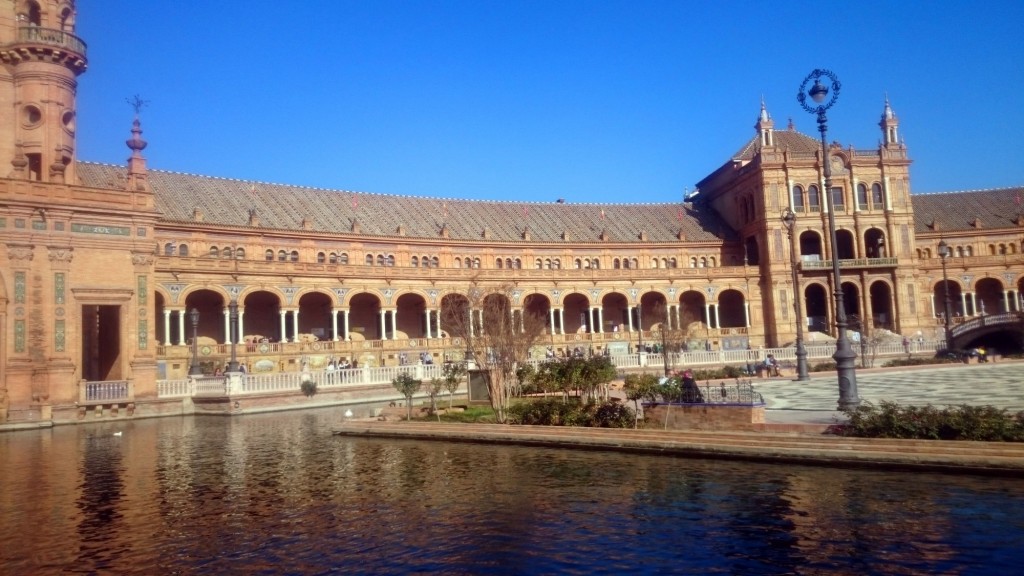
671 332
497 336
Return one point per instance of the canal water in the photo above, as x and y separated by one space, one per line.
278 494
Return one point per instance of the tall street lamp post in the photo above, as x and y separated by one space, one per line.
789 219
943 253
844 356
194 369
233 326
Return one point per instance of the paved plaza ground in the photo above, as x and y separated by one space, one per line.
814 401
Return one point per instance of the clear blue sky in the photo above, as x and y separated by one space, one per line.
600 101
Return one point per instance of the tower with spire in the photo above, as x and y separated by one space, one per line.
890 125
765 127
41 60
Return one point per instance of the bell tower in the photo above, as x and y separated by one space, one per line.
40 61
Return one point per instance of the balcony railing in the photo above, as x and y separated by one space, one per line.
51 37
849 264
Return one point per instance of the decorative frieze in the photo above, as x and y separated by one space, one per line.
60 255
143 258
20 252
97 229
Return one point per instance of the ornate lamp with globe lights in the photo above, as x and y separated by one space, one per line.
195 369
943 254
844 355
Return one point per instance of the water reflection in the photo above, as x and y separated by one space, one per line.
277 493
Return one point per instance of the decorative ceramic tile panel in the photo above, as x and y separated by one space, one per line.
19 335
59 336
143 292
143 334
58 288
19 287
95 229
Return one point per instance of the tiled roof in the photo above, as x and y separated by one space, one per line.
957 211
794 141
228 202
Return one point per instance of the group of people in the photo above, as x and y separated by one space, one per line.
342 364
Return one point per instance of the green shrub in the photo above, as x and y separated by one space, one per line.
559 412
308 387
890 420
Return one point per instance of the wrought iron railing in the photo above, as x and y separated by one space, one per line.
51 37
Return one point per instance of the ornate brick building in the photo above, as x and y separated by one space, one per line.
101 265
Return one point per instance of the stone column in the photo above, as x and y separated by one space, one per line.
181 328
600 320
334 323
707 314
551 320
394 324
295 325
629 316
561 320
963 302
746 313
718 321
348 333
426 314
241 324
167 327
383 327
284 333
227 326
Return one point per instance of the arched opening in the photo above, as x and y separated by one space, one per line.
411 317
810 246
364 317
262 317
692 308
577 314
731 309
315 317
952 290
652 310
816 304
989 296
846 248
538 306
614 310
752 253
852 306
160 324
874 243
880 295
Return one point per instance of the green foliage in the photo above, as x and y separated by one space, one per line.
559 412
453 373
732 372
407 386
822 367
890 420
641 387
308 387
565 375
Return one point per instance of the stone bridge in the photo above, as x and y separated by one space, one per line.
968 331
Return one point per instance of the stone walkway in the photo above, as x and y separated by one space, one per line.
1000 385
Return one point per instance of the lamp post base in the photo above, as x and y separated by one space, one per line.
801 363
846 368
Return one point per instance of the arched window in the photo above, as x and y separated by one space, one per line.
673 263
332 258
626 263
798 199
269 255
655 263
390 260
282 256
240 254
510 264
862 195
813 199
476 262
499 263
519 264
183 250
540 264
693 262
458 262
703 262
380 259
635 264
969 251
369 259
295 255
168 249
34 15
711 261
213 252
577 264
415 262
434 262
343 258
227 252
877 202
321 258
595 264
615 264
67 23
547 263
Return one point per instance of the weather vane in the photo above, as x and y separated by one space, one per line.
137 103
